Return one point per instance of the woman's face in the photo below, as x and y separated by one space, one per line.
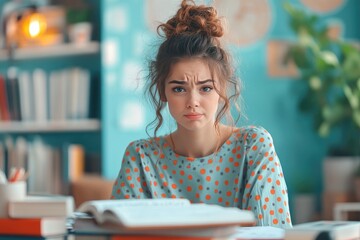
190 93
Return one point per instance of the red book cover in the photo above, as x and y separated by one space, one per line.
32 226
4 110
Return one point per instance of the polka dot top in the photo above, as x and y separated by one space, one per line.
244 173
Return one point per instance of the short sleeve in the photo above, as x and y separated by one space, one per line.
265 187
128 183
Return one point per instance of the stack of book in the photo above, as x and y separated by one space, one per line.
40 217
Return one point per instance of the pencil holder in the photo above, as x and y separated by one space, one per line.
10 192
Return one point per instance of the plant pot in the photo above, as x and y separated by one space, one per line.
80 33
357 188
305 204
338 174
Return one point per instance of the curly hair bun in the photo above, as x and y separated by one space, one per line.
191 18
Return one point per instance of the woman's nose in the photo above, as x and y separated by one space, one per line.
193 101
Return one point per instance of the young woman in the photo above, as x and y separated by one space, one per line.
204 159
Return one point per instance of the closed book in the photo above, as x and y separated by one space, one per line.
4 106
324 230
42 206
33 226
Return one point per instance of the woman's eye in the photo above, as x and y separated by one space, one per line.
178 89
207 89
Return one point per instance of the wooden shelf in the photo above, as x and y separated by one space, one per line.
54 126
61 50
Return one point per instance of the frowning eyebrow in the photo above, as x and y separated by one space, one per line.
185 82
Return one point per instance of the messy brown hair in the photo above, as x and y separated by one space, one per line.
193 32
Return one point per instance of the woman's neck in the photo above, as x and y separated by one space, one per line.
198 143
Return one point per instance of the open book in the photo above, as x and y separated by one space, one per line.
159 214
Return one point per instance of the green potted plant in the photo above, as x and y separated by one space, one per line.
330 71
79 25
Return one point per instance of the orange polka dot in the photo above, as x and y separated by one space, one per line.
174 186
264 206
228 142
163 195
228 193
127 196
227 170
182 172
266 154
136 169
197 195
254 135
181 181
234 150
173 172
216 182
220 199
129 178
288 220
236 164
137 149
132 185
165 167
251 162
226 182
278 199
190 159
173 196
252 173
261 139
266 199
208 197
271 158
190 177
208 178
127 153
238 156
141 190
236 181
165 184
269 180
260 216
127 170
200 187
272 212
133 158
275 221
210 161
161 175
231 159
175 162
278 182
272 191
202 171
189 188
162 156
147 169
254 148
118 191
280 210
217 168
155 153
263 167
248 185
260 177
155 183
257 197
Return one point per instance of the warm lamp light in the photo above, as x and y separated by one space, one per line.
34 25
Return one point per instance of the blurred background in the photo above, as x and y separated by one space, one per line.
71 91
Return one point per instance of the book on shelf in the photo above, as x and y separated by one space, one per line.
45 226
153 214
324 230
42 206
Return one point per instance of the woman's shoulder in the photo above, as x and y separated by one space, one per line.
144 143
252 132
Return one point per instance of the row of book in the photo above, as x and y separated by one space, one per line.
39 97
51 170
148 219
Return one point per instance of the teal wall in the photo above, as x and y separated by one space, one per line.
269 102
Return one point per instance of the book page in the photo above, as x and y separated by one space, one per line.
98 207
194 215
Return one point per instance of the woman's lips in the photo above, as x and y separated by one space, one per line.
193 116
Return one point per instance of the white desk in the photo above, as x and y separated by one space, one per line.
341 209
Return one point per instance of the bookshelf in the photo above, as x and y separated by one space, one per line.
86 125
61 50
